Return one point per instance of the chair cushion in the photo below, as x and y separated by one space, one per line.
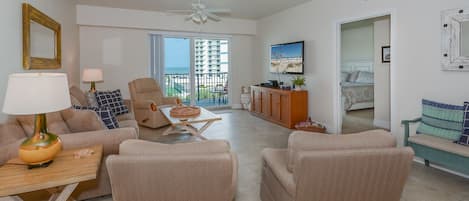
441 120
140 147
105 113
55 123
440 144
79 95
308 141
113 100
464 139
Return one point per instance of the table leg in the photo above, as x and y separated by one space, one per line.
168 130
64 194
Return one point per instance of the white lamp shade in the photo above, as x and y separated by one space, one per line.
92 75
36 93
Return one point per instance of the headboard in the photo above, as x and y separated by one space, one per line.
351 66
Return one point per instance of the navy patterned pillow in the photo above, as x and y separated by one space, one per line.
464 139
113 100
105 113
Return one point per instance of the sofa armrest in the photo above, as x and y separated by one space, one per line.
178 177
170 101
143 104
82 120
110 139
9 151
406 124
128 103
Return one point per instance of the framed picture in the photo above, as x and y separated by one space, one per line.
386 54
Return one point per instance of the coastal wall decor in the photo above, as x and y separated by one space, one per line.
455 39
41 40
386 54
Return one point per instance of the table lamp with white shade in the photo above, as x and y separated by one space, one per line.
92 75
38 94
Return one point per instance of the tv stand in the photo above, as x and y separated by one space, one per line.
283 107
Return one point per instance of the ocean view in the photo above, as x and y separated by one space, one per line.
177 70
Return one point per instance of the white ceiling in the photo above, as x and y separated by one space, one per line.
245 9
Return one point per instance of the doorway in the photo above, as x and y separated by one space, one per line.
364 67
193 68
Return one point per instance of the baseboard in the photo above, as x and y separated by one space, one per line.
419 160
382 124
236 106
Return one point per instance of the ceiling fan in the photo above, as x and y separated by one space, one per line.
200 14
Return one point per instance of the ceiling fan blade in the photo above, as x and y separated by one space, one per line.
212 16
219 11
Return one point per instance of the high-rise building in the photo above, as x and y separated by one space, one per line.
211 56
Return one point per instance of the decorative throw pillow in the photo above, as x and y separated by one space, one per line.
365 77
113 100
441 120
91 97
464 139
353 76
344 76
105 113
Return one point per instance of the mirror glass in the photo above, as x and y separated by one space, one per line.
465 38
42 41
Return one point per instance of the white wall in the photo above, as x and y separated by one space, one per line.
357 43
415 69
11 38
381 75
124 53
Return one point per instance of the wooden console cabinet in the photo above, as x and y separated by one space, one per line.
283 107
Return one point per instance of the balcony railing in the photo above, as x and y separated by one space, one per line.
211 89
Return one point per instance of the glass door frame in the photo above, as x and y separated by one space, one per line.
160 71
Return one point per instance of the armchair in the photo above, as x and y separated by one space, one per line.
147 97
145 171
358 167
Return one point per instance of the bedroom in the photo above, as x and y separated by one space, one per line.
365 77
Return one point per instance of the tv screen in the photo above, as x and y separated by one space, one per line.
287 58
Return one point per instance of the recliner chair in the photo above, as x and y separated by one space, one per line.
147 97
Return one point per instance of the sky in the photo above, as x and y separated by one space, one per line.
177 54
290 50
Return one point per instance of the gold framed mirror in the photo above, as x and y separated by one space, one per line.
41 40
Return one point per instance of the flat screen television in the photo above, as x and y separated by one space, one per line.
287 58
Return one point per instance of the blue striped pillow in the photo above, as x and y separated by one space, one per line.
464 139
105 113
441 120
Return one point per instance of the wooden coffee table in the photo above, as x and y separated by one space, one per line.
60 179
181 125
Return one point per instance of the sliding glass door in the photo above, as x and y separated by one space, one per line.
195 69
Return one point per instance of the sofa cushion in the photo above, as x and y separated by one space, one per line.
308 141
124 117
275 161
55 123
441 120
440 144
129 124
113 100
105 114
140 147
79 95
464 139
10 131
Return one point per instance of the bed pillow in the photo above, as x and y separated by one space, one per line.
464 139
353 76
105 113
441 120
113 100
344 76
365 77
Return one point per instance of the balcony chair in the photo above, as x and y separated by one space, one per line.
147 97
356 167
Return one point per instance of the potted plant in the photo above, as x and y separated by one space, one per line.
298 82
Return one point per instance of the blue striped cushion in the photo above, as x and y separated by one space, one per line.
441 120
464 139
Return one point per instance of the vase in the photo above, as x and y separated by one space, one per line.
298 88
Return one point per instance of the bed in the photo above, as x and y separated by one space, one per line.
357 86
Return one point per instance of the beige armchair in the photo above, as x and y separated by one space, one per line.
145 171
147 97
77 129
357 167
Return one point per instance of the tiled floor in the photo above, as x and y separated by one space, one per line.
248 135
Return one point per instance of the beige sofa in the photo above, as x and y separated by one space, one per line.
147 97
77 129
200 171
358 167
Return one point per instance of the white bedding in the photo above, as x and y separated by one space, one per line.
355 93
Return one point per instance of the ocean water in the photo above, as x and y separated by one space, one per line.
177 70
